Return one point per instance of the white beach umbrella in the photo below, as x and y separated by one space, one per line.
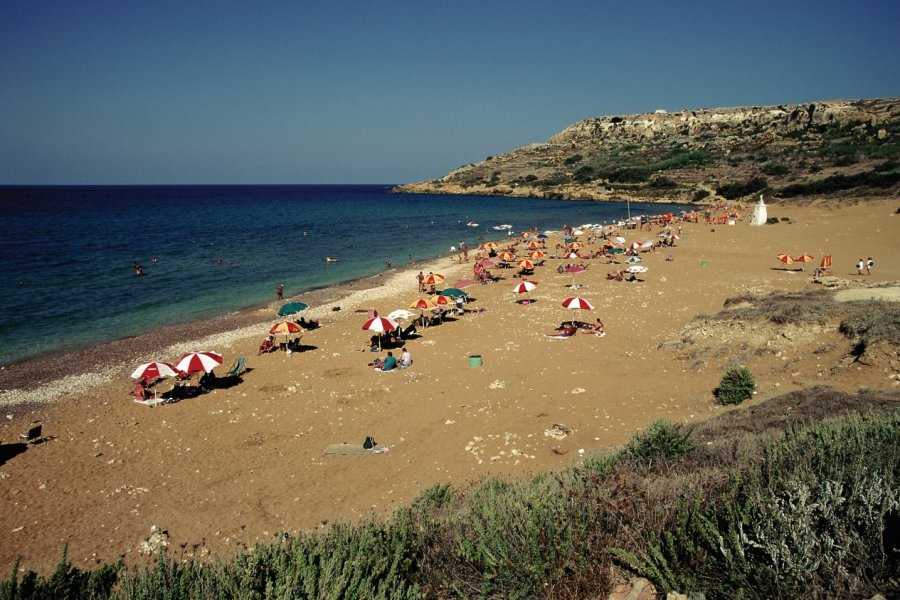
636 269
401 315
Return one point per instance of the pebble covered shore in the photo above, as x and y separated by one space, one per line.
34 382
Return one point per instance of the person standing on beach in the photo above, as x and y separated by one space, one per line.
860 266
421 279
869 264
279 291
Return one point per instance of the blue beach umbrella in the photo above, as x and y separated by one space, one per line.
291 308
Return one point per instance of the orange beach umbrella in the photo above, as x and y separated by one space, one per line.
803 258
284 328
433 279
525 264
506 255
785 258
422 303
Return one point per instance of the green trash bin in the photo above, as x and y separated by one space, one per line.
475 360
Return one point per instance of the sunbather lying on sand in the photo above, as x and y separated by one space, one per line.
566 330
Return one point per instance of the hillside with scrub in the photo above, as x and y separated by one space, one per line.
818 149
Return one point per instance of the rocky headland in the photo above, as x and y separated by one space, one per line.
831 148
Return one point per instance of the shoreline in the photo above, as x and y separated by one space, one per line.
78 370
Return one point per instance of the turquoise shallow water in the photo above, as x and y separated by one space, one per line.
66 253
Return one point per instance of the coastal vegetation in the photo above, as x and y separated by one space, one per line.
736 386
797 496
788 151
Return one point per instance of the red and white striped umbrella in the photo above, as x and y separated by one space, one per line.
525 286
379 324
576 303
152 370
194 362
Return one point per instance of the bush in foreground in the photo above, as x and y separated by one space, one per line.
736 386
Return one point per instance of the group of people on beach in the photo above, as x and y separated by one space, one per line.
389 363
865 266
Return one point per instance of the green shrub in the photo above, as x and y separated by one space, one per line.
837 183
700 195
736 386
573 159
662 183
661 440
775 169
772 221
732 191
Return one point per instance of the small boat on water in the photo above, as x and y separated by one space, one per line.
501 227
472 224
331 259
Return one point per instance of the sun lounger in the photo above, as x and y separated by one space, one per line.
33 435
238 368
153 401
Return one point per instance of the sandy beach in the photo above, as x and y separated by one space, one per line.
228 469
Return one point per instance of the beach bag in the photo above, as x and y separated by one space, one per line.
369 443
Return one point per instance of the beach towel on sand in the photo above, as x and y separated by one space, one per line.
347 449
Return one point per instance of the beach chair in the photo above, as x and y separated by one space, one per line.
824 267
238 368
33 435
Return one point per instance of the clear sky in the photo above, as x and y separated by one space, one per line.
389 91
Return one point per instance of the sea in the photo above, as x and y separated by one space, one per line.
67 253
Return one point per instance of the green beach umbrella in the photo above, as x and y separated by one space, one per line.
291 308
452 292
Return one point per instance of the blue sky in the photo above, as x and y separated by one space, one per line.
339 91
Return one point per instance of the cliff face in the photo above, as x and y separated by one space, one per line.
823 148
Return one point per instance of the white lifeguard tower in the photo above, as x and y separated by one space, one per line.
760 214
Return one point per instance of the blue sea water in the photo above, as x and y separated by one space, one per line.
66 253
